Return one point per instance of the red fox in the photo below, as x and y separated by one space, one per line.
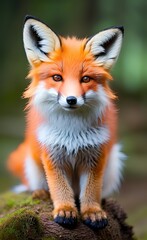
70 147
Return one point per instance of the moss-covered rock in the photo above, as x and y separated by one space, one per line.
25 217
20 224
18 219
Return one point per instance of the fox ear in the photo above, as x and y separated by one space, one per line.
106 45
39 40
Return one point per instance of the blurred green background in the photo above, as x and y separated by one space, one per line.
83 18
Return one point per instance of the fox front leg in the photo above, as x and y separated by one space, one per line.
90 198
65 211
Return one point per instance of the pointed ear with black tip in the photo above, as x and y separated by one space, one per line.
105 46
39 40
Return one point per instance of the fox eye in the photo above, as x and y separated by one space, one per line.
85 79
57 78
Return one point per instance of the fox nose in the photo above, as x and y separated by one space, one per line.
71 100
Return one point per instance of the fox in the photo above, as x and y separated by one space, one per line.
70 148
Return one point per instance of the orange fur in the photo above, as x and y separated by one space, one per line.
72 61
80 64
16 162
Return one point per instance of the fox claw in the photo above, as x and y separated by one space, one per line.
95 218
98 224
66 218
66 222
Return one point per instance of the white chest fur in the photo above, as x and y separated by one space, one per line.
70 136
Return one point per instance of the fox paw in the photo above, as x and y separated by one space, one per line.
41 194
95 219
66 217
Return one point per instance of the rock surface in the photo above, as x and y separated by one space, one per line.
24 216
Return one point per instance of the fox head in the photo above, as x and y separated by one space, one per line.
68 73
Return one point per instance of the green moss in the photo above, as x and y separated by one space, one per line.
19 225
29 202
11 200
19 217
16 220
7 216
10 203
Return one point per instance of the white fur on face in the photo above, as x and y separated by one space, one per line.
71 130
47 102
